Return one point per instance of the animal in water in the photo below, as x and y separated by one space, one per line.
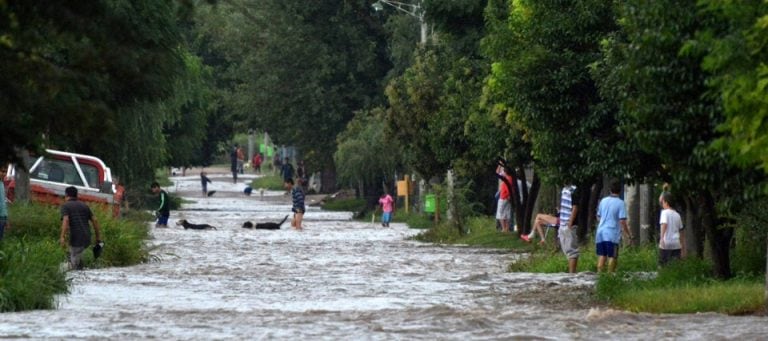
264 226
211 193
188 225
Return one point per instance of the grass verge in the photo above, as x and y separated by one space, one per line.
268 182
639 286
481 232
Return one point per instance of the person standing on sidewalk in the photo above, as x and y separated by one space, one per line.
75 216
612 216
671 238
569 209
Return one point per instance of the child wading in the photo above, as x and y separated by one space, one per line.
298 209
387 207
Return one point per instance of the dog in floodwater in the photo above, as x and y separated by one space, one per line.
264 226
188 225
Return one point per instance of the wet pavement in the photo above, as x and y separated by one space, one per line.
337 279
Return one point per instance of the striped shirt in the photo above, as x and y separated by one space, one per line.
567 199
297 194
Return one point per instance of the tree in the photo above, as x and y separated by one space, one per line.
661 90
541 72
365 158
295 75
69 67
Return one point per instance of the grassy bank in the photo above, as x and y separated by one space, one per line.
481 232
31 258
638 286
268 182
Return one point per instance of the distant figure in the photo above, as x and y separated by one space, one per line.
287 170
233 162
298 209
248 190
240 160
204 181
256 163
387 208
301 173
164 210
276 163
75 216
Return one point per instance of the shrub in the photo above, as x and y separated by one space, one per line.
30 276
31 257
269 182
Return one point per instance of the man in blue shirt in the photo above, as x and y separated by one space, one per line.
612 213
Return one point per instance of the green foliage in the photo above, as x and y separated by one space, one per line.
31 257
356 205
68 77
541 80
414 220
681 287
364 154
288 70
736 51
548 260
481 232
751 236
269 182
29 273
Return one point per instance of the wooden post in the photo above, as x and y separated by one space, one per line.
407 192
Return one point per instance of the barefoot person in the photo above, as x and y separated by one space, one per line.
297 194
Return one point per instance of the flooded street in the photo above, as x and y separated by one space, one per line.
336 279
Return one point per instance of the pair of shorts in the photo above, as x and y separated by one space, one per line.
607 249
503 209
665 256
569 242
297 210
386 217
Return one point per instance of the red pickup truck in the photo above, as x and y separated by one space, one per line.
51 173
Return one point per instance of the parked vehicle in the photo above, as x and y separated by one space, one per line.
51 173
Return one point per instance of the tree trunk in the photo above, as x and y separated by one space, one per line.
328 180
587 206
646 207
530 201
694 234
719 238
22 191
633 208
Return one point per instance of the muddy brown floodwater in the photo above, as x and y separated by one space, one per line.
337 280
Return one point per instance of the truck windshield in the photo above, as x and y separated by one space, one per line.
57 171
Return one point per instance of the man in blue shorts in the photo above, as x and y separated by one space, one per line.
612 213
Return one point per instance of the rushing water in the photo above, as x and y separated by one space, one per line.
337 279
